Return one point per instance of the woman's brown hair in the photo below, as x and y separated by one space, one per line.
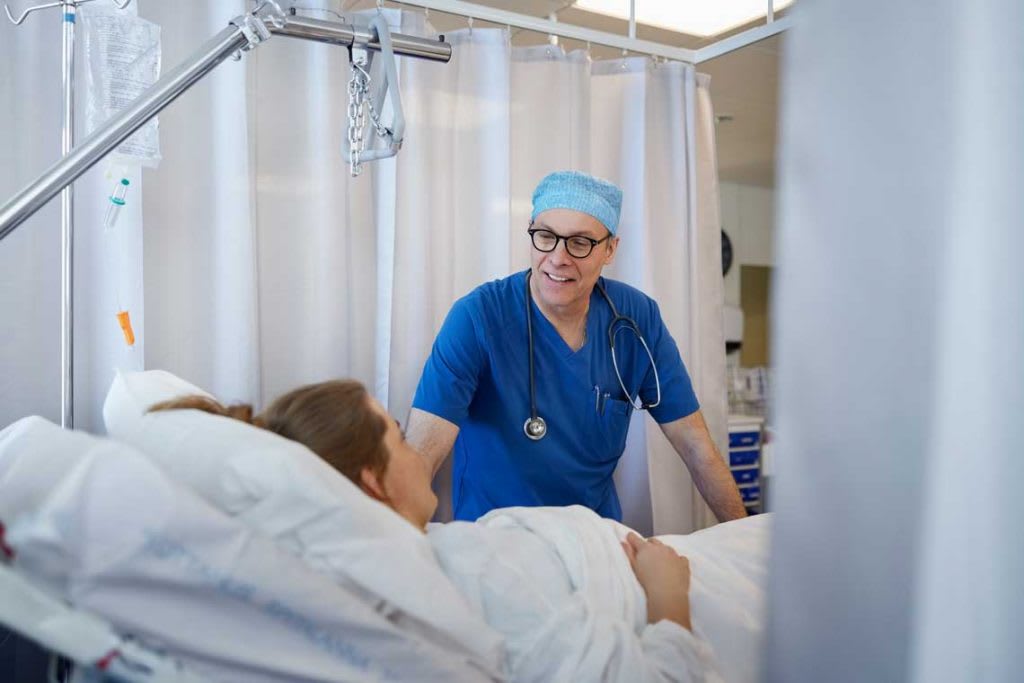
333 419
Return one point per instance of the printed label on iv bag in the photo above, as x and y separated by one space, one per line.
122 59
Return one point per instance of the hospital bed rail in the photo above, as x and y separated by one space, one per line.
83 638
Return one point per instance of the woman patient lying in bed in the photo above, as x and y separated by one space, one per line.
575 622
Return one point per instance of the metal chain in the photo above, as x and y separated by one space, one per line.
382 130
358 102
358 87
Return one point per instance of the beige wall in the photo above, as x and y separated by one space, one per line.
755 298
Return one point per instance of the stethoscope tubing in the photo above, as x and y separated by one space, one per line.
535 427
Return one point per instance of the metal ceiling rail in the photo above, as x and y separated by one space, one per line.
555 28
740 40
624 42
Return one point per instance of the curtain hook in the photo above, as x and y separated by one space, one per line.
625 53
469 23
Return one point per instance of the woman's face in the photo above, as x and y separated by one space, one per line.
406 483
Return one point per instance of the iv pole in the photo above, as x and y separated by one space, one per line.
69 14
242 34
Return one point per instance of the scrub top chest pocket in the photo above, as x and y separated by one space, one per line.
611 417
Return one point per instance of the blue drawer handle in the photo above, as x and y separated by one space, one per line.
739 458
741 439
745 476
750 493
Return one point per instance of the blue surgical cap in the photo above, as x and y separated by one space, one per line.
579 192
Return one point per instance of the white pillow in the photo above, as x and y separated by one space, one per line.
137 392
286 491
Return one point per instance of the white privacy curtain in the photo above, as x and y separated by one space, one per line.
200 234
901 325
266 266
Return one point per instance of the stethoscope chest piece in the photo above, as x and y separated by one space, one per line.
535 428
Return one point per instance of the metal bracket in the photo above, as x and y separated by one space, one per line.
254 25
388 82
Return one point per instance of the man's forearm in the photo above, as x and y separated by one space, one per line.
690 438
432 436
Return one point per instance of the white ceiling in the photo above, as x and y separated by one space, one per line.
744 83
745 86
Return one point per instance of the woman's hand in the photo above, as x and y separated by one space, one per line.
664 576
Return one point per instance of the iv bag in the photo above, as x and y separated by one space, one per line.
121 55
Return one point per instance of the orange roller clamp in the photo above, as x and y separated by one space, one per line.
126 328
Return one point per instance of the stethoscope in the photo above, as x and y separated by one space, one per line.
535 427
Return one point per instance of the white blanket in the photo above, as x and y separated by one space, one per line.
93 522
728 591
556 583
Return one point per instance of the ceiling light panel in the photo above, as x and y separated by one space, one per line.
694 17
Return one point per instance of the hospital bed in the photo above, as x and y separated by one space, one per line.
244 557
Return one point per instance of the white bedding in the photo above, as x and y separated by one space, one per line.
283 490
728 590
550 587
556 583
93 522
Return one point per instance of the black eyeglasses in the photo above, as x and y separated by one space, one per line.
578 246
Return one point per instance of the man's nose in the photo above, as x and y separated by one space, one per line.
561 253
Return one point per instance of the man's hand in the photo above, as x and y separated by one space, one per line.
664 576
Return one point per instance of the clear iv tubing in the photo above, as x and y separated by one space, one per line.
109 220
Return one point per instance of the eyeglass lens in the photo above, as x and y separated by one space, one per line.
578 246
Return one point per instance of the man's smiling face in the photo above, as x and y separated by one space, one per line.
563 282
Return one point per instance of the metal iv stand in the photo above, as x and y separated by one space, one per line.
69 13
243 33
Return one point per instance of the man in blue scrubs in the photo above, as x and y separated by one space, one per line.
474 393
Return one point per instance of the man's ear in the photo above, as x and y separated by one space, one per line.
371 485
613 246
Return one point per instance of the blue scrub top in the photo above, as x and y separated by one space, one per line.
477 377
